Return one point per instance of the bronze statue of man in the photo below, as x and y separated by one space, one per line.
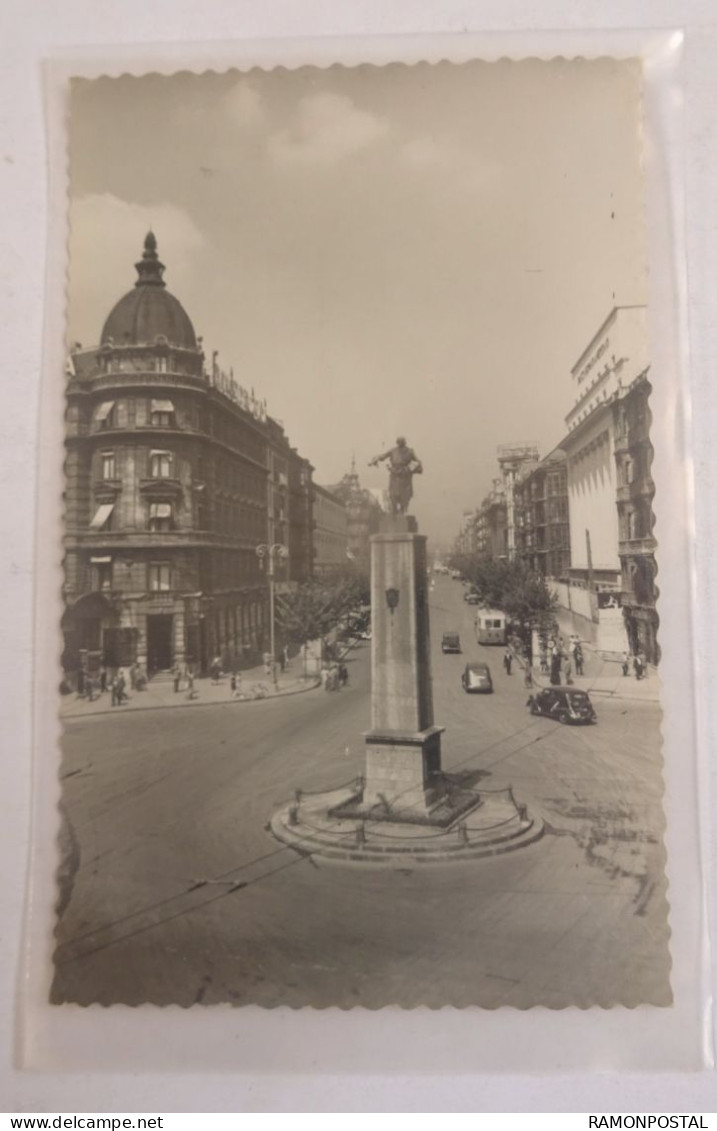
403 464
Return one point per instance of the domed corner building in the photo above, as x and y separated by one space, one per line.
168 485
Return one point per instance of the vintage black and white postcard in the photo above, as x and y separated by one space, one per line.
360 686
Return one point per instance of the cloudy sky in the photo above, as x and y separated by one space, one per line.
377 250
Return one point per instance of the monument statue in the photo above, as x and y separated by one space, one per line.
403 464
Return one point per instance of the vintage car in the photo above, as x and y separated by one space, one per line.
450 642
564 704
476 677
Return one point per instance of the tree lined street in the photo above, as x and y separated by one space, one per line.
173 891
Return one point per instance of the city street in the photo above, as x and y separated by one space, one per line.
173 892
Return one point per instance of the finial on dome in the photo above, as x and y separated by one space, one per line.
149 268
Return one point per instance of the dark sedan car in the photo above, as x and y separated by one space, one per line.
476 677
450 642
565 704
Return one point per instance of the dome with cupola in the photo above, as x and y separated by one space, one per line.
149 314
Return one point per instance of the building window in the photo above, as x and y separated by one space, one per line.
101 574
104 415
161 517
108 465
102 518
160 465
161 414
158 579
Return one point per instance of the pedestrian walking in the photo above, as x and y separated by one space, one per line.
578 657
233 685
133 675
544 662
638 666
177 677
215 669
528 678
507 661
625 663
81 677
343 675
114 692
555 664
90 689
103 679
121 693
568 673
191 693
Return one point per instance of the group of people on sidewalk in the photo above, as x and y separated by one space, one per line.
334 676
639 665
556 660
92 685
183 679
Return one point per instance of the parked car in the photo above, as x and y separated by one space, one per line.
566 704
451 642
472 597
477 677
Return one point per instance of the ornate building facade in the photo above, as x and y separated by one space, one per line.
330 532
167 495
542 517
362 516
635 492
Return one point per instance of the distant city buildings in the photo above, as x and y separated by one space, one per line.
330 533
514 460
362 516
582 516
542 516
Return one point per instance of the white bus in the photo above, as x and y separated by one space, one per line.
490 626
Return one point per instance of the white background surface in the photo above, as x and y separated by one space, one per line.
30 32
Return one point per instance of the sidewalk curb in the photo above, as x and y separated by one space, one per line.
310 686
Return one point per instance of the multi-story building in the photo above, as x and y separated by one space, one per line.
466 544
491 540
541 516
514 460
362 516
301 518
167 494
289 504
635 492
330 532
614 358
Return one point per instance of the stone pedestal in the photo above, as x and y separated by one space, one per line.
403 747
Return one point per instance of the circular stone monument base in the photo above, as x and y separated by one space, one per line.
494 825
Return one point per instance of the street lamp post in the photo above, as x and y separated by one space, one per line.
271 553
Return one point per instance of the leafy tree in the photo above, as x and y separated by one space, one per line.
522 594
316 607
528 601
